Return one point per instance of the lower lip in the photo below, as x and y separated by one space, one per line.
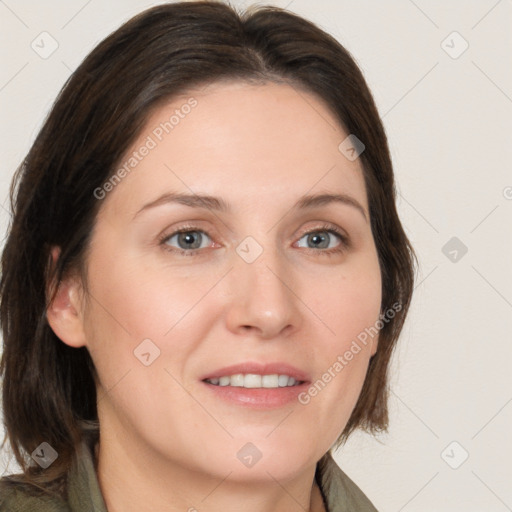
258 398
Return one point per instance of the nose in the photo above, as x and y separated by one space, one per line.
262 298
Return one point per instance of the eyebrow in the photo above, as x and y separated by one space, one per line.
218 204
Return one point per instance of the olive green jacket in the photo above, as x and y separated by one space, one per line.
84 495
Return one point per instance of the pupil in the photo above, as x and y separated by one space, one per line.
319 238
188 240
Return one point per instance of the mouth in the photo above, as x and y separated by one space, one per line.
255 381
257 385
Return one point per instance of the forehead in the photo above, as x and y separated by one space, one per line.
242 142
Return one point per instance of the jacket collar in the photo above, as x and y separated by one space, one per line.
84 493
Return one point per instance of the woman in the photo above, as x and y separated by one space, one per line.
205 275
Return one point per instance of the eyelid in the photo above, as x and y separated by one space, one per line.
326 226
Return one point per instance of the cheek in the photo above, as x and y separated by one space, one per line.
349 312
133 303
352 301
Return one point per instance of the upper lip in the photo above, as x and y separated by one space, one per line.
278 368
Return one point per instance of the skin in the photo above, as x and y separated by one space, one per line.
165 440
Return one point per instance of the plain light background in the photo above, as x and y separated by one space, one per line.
447 110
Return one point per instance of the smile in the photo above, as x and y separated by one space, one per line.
252 380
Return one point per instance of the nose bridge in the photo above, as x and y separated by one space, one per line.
262 296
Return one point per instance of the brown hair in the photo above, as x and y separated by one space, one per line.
48 387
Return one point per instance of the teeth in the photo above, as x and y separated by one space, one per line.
252 380
270 381
224 381
282 381
237 380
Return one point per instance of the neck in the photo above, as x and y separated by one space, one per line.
135 479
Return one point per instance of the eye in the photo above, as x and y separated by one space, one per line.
188 241
325 238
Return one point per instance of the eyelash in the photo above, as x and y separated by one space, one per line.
328 228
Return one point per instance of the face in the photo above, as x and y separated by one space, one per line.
258 280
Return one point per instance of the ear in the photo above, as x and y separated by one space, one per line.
64 313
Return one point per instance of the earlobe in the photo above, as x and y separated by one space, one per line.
64 313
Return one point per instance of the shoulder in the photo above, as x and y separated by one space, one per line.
18 497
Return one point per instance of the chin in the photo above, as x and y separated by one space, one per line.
281 455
